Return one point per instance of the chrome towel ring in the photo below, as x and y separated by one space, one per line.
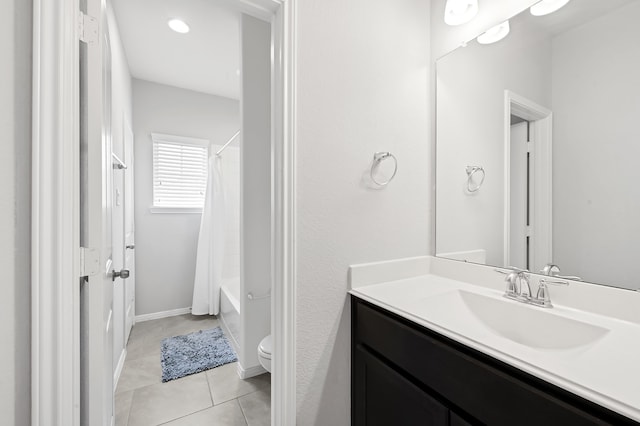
378 158
471 170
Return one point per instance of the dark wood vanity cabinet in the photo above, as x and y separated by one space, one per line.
405 374
390 398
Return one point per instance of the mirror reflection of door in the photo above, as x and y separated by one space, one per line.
528 142
519 197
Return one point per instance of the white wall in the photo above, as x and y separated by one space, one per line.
596 149
231 175
470 131
362 87
255 154
166 243
120 114
15 211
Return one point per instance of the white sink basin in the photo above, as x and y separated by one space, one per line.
524 324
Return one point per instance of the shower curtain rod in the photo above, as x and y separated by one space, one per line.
228 142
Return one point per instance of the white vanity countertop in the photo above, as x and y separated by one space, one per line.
606 372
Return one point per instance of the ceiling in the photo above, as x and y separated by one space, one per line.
207 59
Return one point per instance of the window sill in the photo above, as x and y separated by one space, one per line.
175 210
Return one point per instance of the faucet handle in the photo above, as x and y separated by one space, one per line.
509 270
545 281
568 277
542 297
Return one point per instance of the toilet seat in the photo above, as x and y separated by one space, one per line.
264 348
264 353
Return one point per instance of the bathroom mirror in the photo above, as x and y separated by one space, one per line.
538 144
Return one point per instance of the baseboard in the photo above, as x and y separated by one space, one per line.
163 314
245 373
119 367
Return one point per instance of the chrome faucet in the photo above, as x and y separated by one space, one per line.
512 283
519 287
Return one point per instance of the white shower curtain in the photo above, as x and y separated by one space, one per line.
211 243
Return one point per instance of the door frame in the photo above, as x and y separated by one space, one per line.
55 263
55 382
540 119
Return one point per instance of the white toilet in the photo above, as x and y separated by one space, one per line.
264 353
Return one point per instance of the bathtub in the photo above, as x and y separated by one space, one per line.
230 311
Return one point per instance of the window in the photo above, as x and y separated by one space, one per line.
179 171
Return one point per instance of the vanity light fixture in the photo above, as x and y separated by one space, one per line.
494 34
458 12
546 7
178 25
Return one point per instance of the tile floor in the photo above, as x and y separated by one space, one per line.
214 397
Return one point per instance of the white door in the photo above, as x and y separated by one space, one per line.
519 196
129 233
96 321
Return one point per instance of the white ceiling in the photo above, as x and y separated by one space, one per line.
206 59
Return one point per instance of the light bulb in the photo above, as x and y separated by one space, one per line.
458 12
546 7
178 25
494 34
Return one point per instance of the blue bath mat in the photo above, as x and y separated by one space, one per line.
195 352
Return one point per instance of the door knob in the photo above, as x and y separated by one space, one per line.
130 246
124 274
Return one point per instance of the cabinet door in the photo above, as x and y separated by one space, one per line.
458 421
382 396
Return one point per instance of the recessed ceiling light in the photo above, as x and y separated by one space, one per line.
178 25
458 12
546 7
494 34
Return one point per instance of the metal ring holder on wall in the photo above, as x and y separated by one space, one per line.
471 170
378 158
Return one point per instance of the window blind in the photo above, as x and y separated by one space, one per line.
179 173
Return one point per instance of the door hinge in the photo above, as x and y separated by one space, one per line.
89 261
88 28
529 146
528 231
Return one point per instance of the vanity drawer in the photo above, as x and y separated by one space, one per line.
485 389
390 398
